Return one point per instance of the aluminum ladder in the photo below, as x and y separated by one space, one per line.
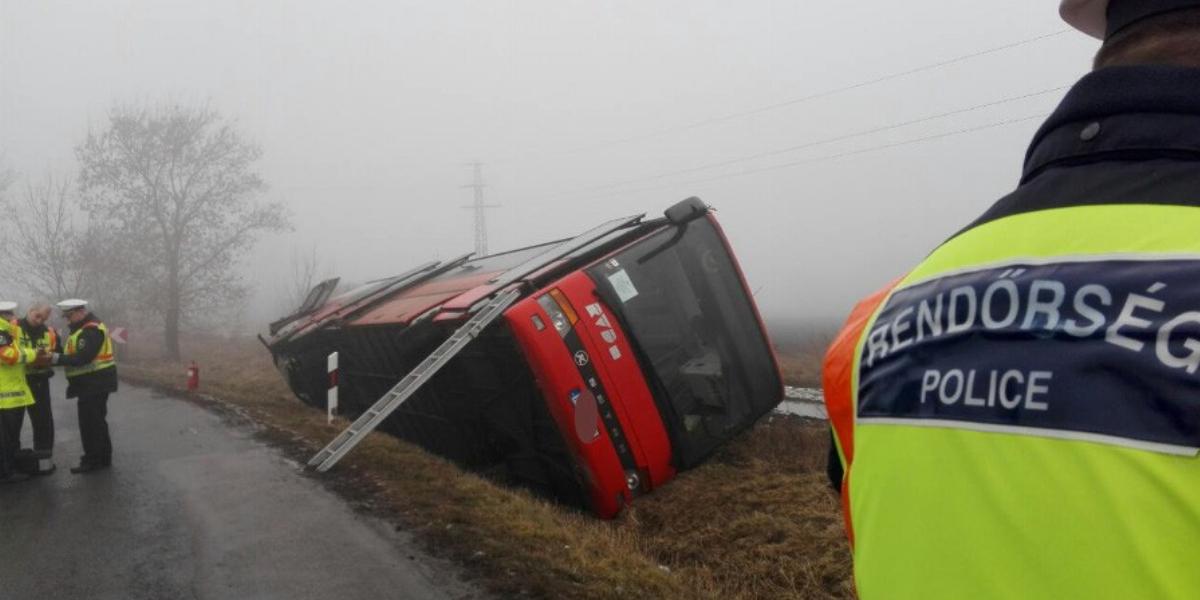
389 402
484 315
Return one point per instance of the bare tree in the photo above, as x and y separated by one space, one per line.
307 271
6 178
44 254
176 184
54 254
113 283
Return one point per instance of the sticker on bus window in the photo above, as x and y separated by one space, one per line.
623 285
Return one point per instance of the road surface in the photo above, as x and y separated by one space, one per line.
803 402
195 508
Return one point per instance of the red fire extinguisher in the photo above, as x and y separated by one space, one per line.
193 377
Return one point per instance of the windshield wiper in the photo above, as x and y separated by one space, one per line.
679 231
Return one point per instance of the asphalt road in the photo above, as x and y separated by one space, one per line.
194 508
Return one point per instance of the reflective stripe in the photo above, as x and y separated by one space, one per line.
84 370
1061 434
1052 260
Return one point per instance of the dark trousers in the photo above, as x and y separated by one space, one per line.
41 416
10 438
93 429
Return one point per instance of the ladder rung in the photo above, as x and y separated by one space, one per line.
411 382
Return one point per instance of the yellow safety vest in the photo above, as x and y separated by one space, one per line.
47 341
14 390
104 359
1019 416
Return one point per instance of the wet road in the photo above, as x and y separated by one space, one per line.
193 508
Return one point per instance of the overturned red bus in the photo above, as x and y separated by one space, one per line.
589 370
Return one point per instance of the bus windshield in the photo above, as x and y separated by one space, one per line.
679 297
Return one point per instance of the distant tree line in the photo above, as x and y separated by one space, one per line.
165 206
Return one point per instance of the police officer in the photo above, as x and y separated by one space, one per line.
14 391
1019 416
37 336
91 371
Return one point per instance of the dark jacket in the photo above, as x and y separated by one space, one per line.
1122 135
34 332
91 340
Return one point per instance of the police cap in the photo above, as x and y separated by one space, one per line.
8 306
1103 18
72 304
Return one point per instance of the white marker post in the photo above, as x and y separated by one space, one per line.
331 402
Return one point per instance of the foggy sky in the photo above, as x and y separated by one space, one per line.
367 112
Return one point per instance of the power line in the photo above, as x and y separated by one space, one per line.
818 95
829 157
879 147
820 142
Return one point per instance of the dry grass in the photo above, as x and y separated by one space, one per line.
801 368
800 350
756 521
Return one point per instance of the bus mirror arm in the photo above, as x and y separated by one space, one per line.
679 215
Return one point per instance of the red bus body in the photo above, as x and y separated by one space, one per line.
582 408
560 392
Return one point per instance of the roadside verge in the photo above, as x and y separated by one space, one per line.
756 521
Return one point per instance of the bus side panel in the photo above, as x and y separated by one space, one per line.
558 379
624 380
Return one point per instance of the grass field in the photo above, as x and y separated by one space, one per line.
756 521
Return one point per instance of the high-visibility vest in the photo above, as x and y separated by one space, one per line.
47 341
14 390
105 359
1019 416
